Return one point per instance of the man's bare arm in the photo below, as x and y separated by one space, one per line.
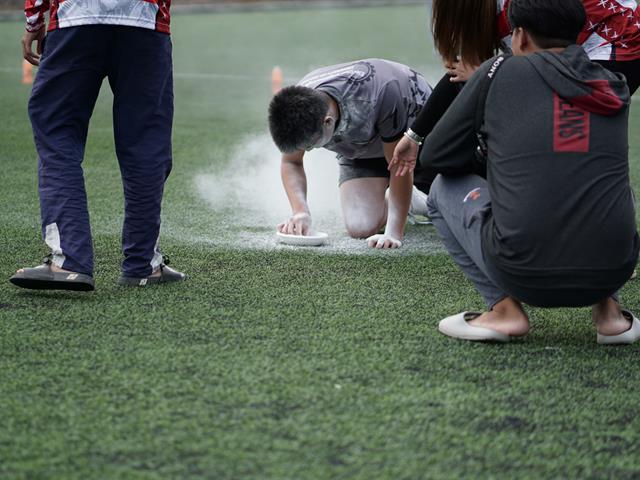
294 180
400 188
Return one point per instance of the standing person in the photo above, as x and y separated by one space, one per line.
554 222
128 42
611 37
467 32
358 110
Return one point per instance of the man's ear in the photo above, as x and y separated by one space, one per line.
520 41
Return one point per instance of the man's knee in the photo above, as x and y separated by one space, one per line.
363 228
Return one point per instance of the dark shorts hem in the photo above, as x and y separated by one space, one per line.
351 168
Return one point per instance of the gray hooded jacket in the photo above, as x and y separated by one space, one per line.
562 219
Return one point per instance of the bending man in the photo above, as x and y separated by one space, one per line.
358 110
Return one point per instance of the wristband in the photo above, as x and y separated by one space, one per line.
413 136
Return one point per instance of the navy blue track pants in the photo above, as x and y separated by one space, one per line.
138 65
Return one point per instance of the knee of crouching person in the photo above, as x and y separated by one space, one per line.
432 199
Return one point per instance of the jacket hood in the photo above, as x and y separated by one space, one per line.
585 84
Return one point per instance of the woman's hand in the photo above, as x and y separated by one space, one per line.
460 71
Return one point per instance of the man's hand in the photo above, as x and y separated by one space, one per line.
404 156
382 240
297 224
460 71
27 46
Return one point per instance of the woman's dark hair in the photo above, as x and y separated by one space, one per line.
551 23
295 117
466 28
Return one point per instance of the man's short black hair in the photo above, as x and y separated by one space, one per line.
296 115
551 23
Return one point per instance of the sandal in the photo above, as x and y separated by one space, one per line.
457 326
43 277
167 275
624 338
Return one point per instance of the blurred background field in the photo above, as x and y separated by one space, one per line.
9 7
273 362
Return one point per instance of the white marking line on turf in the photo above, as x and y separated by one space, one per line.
220 76
193 75
7 69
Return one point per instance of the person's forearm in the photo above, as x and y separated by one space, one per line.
438 102
294 181
400 189
451 147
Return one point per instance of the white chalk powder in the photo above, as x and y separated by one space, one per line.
251 186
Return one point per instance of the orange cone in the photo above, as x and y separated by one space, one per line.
27 73
276 80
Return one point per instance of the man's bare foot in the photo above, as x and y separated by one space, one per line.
608 319
54 268
506 316
48 276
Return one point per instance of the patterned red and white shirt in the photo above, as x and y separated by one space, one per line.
151 14
612 31
504 29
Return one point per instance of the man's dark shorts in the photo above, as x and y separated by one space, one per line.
351 168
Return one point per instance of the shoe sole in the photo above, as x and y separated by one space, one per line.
35 284
145 282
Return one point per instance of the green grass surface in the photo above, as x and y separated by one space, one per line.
277 363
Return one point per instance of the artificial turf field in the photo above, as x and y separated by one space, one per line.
271 362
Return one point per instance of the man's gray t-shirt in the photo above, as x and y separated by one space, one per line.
377 98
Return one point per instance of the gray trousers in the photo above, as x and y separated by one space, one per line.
456 207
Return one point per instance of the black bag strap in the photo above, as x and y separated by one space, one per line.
482 103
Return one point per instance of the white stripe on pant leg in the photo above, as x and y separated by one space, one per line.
52 239
156 261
